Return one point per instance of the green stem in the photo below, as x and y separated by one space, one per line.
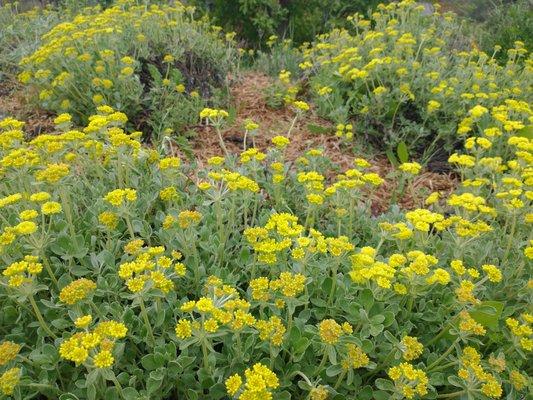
130 226
292 126
323 361
450 364
40 318
50 272
341 378
511 239
221 141
117 385
68 210
441 334
451 395
333 280
442 357
205 354
147 322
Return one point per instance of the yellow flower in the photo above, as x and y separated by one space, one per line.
8 352
9 380
104 359
77 291
411 168
233 384
329 331
411 348
83 322
51 207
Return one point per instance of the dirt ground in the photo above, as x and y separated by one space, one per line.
250 104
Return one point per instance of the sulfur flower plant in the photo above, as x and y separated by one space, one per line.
131 272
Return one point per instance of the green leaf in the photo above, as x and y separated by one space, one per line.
526 132
488 314
333 370
381 395
392 158
152 361
366 298
130 393
318 130
384 384
68 396
403 152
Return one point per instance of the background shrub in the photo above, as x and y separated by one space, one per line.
21 33
300 20
506 24
404 76
136 59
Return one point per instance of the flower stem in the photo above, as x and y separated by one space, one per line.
205 354
147 322
221 141
436 362
451 395
40 318
50 272
341 378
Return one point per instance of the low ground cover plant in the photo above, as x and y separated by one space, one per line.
131 274
21 34
153 62
405 76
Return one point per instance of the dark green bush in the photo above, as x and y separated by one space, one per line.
506 24
256 20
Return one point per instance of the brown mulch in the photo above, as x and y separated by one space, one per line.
14 103
248 95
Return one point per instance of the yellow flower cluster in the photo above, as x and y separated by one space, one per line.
473 373
522 332
258 385
411 348
214 115
189 218
468 325
94 346
224 307
355 357
119 197
409 381
23 271
288 285
9 380
234 180
76 291
150 268
252 154
8 351
412 168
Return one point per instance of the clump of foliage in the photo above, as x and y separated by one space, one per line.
300 20
505 25
130 274
154 62
21 34
405 76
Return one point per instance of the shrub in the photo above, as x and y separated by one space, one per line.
20 34
299 20
505 25
155 63
404 76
